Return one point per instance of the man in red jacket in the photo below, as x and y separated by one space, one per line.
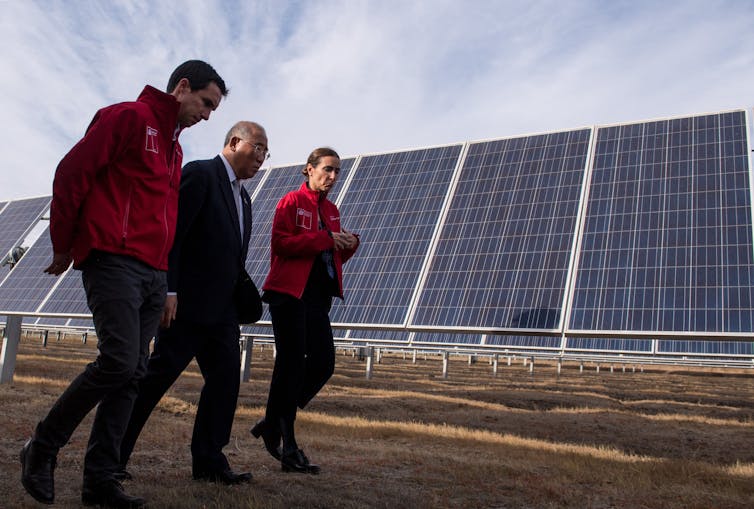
113 214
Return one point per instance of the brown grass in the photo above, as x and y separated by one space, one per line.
663 438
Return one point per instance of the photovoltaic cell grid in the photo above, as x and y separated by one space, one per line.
667 242
27 285
393 202
446 338
524 341
68 297
717 348
17 219
251 184
503 254
610 344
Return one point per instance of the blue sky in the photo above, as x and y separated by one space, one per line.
366 76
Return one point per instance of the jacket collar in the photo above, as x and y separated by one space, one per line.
165 108
314 196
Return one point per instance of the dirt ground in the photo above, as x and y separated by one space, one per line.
407 437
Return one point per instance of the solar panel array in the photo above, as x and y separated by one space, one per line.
667 242
630 232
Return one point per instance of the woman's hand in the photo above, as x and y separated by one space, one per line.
344 240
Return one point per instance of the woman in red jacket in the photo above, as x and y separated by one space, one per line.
308 249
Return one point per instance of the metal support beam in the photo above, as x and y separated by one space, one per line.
11 338
445 362
370 361
247 346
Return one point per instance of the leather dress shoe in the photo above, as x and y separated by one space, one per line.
296 461
270 436
110 494
37 473
226 476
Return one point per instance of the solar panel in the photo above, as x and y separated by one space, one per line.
27 285
252 183
393 336
636 345
716 348
17 219
393 201
502 258
667 241
523 341
68 297
446 338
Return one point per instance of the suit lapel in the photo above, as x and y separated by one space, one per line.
227 193
247 223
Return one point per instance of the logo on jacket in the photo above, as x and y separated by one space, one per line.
304 219
152 140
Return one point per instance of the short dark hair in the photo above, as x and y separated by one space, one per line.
316 155
199 74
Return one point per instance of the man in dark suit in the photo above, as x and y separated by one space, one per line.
200 318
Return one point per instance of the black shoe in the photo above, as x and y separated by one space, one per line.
37 473
296 461
122 475
226 476
271 438
110 494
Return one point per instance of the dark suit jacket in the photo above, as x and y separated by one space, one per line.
208 252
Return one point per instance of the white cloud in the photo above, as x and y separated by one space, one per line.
366 76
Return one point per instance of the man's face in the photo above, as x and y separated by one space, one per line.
196 105
250 154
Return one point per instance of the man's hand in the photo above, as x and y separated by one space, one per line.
60 263
168 312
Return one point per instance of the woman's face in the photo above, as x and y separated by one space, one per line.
323 176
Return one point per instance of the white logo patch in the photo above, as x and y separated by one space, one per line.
151 145
304 219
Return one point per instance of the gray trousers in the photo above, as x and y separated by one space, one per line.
126 298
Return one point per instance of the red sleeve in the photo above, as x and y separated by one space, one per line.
290 241
105 137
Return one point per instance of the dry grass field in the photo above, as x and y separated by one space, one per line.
408 438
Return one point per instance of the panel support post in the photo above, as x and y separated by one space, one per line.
494 365
247 345
413 360
445 357
560 365
11 339
531 365
44 337
370 359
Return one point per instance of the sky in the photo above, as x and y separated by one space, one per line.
366 76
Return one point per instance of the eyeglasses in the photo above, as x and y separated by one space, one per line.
259 149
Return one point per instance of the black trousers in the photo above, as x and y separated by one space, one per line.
305 358
219 357
126 298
